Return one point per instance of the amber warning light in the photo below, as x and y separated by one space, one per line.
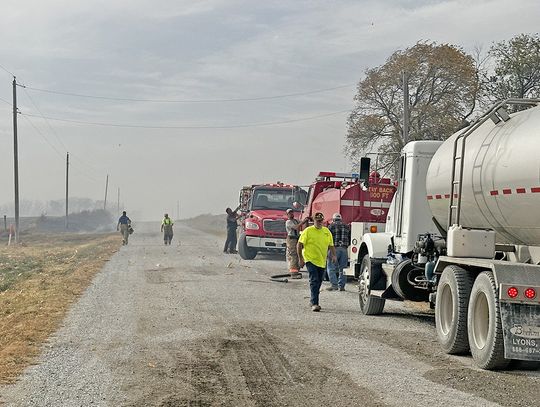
373 229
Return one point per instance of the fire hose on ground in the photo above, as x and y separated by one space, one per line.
284 278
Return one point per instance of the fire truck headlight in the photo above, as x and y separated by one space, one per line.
252 225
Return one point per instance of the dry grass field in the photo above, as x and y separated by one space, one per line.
39 279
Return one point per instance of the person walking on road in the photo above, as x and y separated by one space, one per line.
232 225
124 223
313 246
341 234
167 229
293 226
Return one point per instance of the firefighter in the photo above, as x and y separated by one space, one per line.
293 227
167 229
123 225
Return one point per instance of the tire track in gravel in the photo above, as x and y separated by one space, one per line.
248 366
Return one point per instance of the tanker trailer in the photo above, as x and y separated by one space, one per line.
463 233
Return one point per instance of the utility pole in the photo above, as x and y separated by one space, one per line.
118 202
406 112
106 187
67 188
16 159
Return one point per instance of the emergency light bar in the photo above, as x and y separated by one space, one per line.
339 174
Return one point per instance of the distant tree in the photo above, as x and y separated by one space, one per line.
516 68
443 91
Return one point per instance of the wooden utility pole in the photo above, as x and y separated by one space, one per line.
106 187
67 188
15 159
406 112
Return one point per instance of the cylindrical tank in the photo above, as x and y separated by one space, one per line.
501 179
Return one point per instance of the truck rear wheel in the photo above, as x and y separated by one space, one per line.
451 306
369 304
484 324
245 252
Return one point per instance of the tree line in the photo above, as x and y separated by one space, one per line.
447 86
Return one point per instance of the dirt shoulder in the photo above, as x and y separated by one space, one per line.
39 279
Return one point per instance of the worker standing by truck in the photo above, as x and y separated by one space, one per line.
341 233
167 229
313 246
232 225
293 226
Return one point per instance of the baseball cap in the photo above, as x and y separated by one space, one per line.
318 216
336 216
289 210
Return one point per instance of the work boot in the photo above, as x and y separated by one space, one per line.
331 288
341 288
315 308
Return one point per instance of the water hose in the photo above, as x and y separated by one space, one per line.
282 278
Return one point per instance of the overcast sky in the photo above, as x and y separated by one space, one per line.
200 50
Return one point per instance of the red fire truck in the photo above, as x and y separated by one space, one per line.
263 217
363 205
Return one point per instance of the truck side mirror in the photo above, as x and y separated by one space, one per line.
365 163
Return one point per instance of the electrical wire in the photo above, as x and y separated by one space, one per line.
48 123
236 126
5 101
9 72
252 99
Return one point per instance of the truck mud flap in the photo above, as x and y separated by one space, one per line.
521 328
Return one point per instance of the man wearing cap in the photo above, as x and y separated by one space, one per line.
293 226
313 246
341 233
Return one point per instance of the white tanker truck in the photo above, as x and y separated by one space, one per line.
463 232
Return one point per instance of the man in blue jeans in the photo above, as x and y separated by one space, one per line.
313 246
341 233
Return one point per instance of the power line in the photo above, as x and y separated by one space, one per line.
282 96
236 126
48 123
9 72
5 101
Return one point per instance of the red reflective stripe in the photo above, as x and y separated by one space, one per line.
535 189
447 196
507 191
430 197
520 190
494 192
438 196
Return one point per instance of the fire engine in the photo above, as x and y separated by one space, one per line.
263 217
362 200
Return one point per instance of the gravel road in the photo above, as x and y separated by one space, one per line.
186 325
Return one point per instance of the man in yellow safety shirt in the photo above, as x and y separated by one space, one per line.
313 246
166 228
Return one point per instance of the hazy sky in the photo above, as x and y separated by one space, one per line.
196 50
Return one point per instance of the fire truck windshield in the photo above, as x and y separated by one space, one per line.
276 198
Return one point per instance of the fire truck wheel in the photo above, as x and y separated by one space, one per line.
484 324
451 305
245 252
403 280
369 273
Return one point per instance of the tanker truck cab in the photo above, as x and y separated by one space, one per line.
264 215
463 234
408 217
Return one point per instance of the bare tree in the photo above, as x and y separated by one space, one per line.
443 91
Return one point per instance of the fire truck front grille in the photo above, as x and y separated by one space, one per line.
274 226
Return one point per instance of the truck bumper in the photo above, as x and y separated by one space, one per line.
266 243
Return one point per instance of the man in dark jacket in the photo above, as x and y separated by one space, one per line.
232 225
